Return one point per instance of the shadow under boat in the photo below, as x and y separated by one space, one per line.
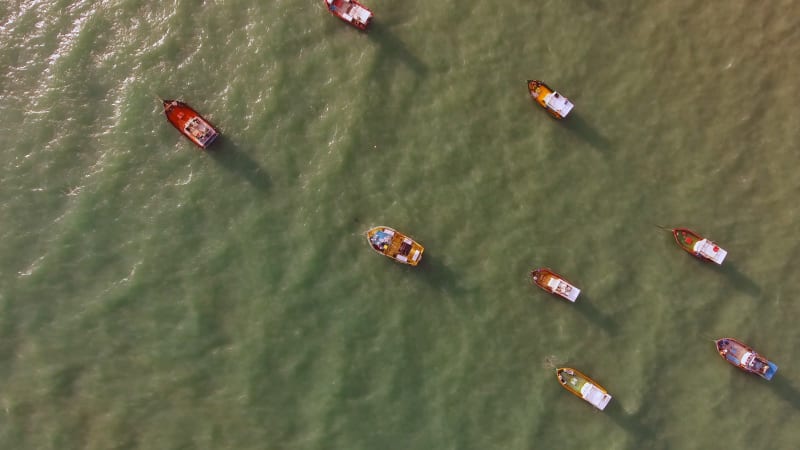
438 275
579 127
738 279
630 422
229 156
395 49
593 314
783 389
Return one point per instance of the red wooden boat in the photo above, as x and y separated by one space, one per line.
555 284
351 12
745 358
190 123
698 246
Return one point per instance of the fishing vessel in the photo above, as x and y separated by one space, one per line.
395 245
351 12
190 123
698 245
555 284
556 104
745 358
583 386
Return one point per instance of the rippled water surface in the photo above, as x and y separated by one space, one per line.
153 296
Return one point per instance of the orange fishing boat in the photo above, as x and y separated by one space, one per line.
555 284
556 104
698 246
395 245
351 12
190 123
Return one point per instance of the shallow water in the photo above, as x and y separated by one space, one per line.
154 296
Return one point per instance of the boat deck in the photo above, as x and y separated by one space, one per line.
687 239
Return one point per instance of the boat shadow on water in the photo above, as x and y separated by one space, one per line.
439 276
783 389
593 314
738 279
579 127
229 156
392 48
630 422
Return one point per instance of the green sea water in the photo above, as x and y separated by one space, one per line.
153 296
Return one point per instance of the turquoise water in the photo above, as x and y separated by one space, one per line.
153 296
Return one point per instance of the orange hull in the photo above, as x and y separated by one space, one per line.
190 123
395 245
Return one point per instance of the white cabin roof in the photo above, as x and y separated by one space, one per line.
558 103
745 361
595 396
360 13
563 288
710 250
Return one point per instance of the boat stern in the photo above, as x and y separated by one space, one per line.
770 371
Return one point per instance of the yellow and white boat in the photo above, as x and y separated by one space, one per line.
556 104
395 245
583 387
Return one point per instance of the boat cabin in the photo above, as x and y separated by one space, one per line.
564 289
709 250
201 131
558 103
752 362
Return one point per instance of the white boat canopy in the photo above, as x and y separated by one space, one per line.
563 288
558 103
595 396
710 250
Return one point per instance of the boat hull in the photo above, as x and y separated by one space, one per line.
745 358
351 12
395 245
190 123
583 387
554 103
555 284
698 246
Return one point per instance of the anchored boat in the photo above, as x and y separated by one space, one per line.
395 245
555 284
351 12
583 387
698 245
556 104
190 123
745 358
